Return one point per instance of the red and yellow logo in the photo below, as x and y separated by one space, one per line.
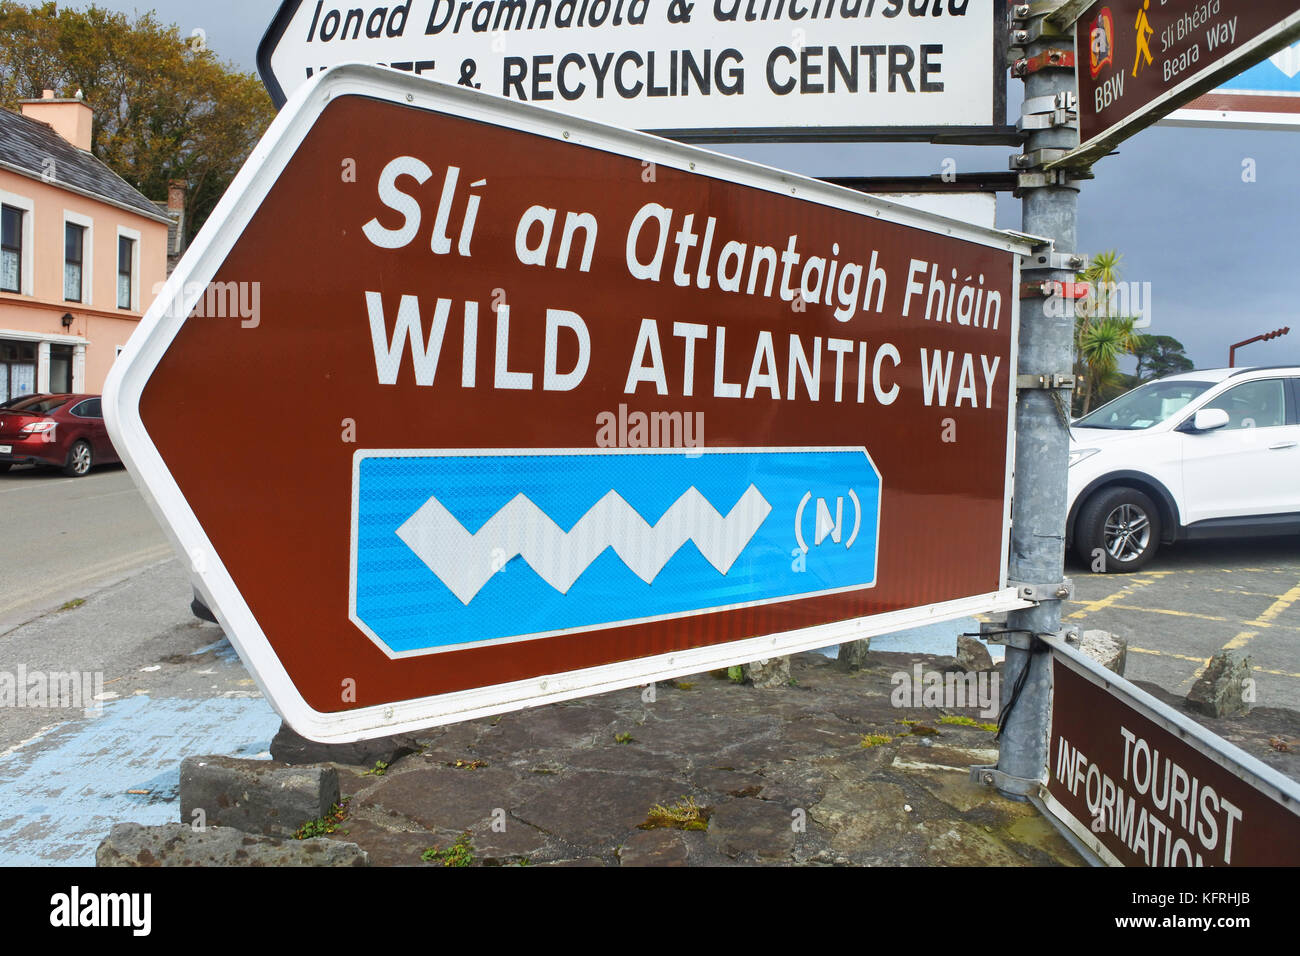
1101 41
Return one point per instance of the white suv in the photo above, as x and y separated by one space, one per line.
1199 455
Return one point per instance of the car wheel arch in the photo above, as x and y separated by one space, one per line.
1170 520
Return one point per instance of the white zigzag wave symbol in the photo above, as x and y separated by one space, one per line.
466 562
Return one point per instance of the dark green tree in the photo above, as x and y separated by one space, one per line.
1161 355
165 107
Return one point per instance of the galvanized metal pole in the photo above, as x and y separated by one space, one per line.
1050 205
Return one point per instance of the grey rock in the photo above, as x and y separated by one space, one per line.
177 844
753 830
853 654
256 796
594 809
1219 691
972 654
290 747
1106 649
442 798
773 672
658 847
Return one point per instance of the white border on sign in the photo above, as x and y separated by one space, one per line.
160 325
1231 119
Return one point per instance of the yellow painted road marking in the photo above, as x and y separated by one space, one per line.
1202 661
1266 619
1278 607
1237 593
1198 617
1090 607
1168 611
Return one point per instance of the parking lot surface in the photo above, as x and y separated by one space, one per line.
1195 600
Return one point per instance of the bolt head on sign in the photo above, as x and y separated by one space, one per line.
458 405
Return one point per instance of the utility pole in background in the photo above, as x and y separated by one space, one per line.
1050 202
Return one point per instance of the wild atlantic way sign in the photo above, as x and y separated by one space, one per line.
530 408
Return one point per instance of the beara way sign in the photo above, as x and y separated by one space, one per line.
527 408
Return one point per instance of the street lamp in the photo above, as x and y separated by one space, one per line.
1232 351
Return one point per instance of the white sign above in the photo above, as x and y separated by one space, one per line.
693 69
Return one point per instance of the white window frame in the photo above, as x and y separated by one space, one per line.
87 253
124 233
26 281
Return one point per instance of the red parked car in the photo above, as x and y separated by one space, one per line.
65 431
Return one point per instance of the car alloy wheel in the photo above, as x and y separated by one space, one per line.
1127 533
79 460
1118 529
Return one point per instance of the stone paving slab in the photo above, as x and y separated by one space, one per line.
774 776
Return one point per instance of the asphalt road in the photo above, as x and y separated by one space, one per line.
1196 599
171 685
64 538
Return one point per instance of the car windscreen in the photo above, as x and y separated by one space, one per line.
37 404
1145 406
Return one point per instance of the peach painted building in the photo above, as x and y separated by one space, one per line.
81 252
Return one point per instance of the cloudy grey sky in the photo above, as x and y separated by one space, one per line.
1218 251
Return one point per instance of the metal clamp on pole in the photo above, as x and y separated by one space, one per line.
1063 590
1048 112
1036 29
1036 8
1052 382
1052 177
1054 261
997 632
1036 158
990 776
1052 59
1062 290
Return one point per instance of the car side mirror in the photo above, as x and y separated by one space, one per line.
1208 419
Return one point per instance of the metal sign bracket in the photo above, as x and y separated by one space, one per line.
991 776
1061 591
1054 261
1049 382
1053 59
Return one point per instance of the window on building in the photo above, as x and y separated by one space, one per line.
125 276
74 242
17 370
11 249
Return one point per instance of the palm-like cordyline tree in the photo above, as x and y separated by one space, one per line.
1101 338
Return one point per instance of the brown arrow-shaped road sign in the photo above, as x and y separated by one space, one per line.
458 405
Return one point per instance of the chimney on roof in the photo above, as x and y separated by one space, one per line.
176 195
73 119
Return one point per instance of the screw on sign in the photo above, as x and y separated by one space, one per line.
494 331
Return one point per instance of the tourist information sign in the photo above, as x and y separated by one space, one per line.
1140 784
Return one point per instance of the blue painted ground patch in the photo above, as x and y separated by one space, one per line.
62 793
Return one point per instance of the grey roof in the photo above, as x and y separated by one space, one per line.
173 224
27 145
